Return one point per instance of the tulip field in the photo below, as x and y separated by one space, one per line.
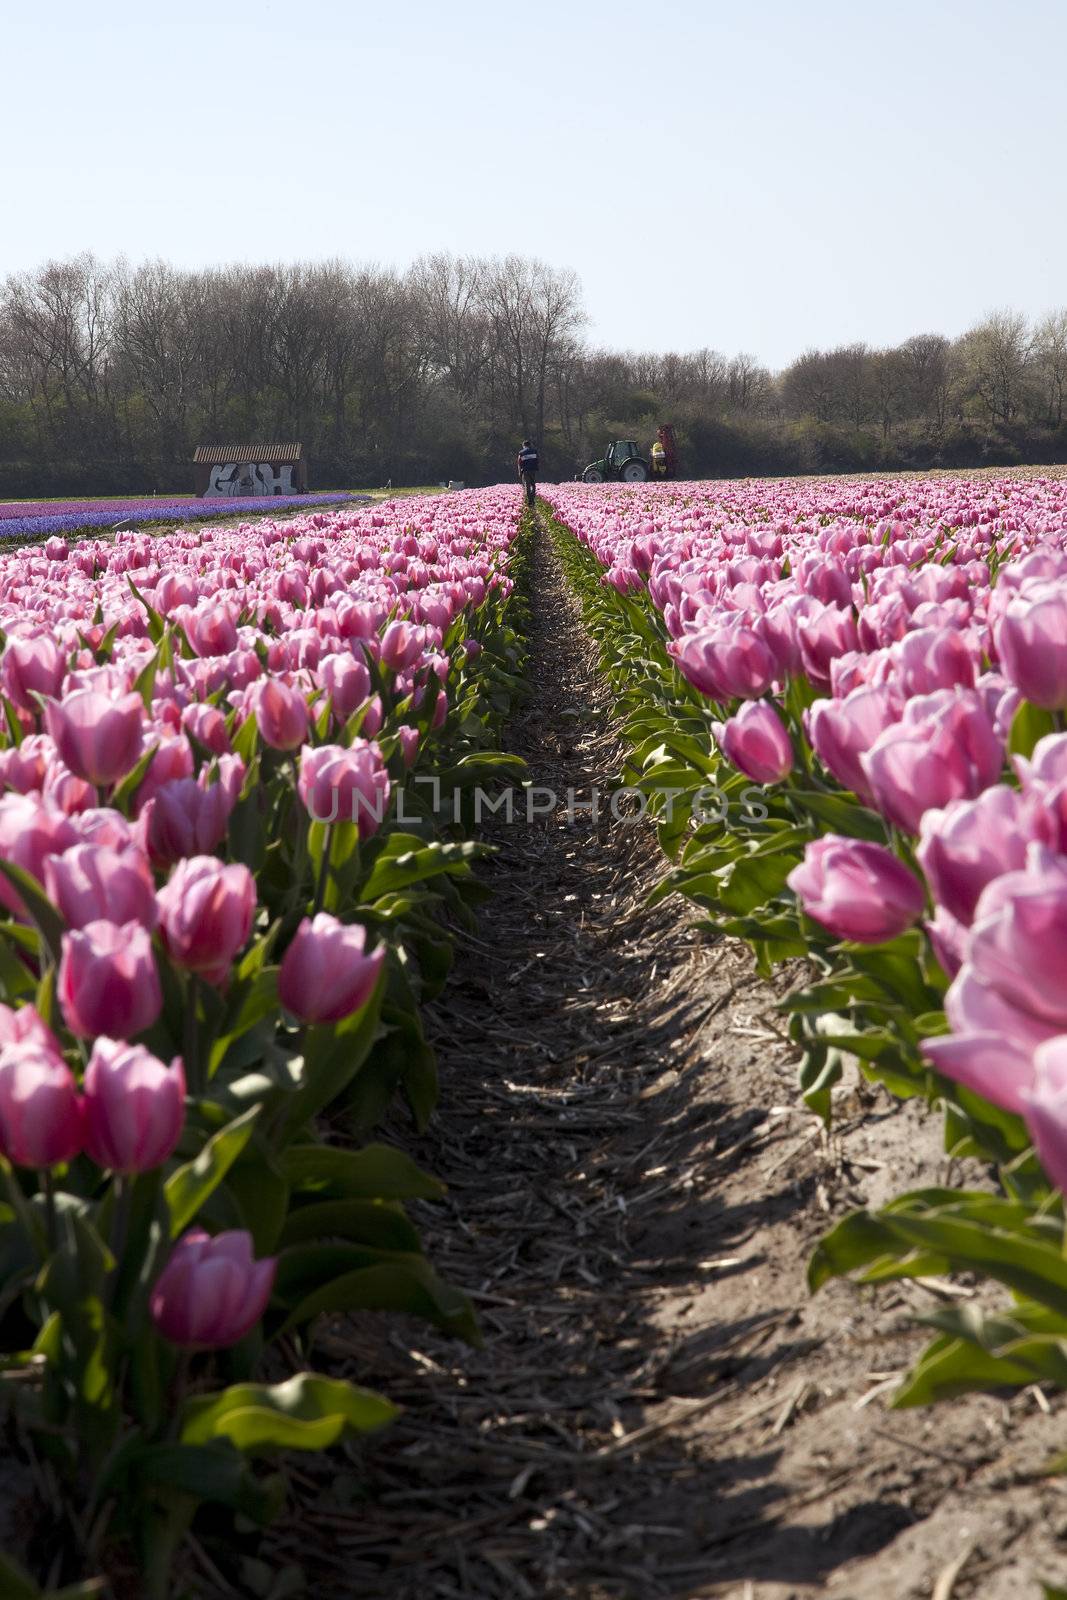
874 680
224 890
240 834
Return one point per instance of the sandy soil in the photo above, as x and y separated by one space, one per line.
659 1409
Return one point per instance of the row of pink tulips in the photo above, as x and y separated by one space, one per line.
202 944
890 662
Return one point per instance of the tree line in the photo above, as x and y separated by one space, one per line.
111 374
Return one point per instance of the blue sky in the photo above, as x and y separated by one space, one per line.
761 176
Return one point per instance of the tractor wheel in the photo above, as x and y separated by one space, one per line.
634 472
592 475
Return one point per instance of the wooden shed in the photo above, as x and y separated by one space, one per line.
244 470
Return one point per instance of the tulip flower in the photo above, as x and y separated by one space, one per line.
205 915
31 830
23 1024
281 714
756 742
41 1115
325 973
32 666
1008 996
345 785
971 842
726 663
90 882
346 681
1044 1107
402 645
134 1106
108 981
944 749
185 819
1031 639
858 890
211 1292
841 731
97 736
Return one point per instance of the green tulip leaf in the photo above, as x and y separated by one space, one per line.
187 1189
304 1413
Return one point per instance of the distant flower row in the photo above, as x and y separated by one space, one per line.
34 519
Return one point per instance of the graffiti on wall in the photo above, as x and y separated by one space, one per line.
247 478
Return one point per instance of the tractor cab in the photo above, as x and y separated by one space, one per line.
622 461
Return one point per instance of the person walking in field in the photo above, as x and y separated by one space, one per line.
528 465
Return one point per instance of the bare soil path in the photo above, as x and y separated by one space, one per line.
659 1410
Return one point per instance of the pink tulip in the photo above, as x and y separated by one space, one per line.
24 767
934 658
345 785
207 725
211 1292
858 890
409 744
31 830
756 742
41 1116
134 1106
1008 996
325 973
402 645
726 663
842 731
971 842
185 819
24 1025
1045 1108
281 714
98 737
1031 639
108 981
90 882
944 749
824 635
205 914
32 666
172 760
346 681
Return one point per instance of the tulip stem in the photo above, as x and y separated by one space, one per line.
192 1040
122 1192
324 868
48 1189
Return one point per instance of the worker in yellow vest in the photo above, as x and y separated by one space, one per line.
659 460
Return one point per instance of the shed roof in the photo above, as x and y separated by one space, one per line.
215 455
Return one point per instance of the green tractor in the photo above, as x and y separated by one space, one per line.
622 461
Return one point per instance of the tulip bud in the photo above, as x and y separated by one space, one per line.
858 890
1031 639
134 1106
108 981
211 1292
41 1115
90 882
98 736
205 913
281 714
345 785
33 666
756 742
325 974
